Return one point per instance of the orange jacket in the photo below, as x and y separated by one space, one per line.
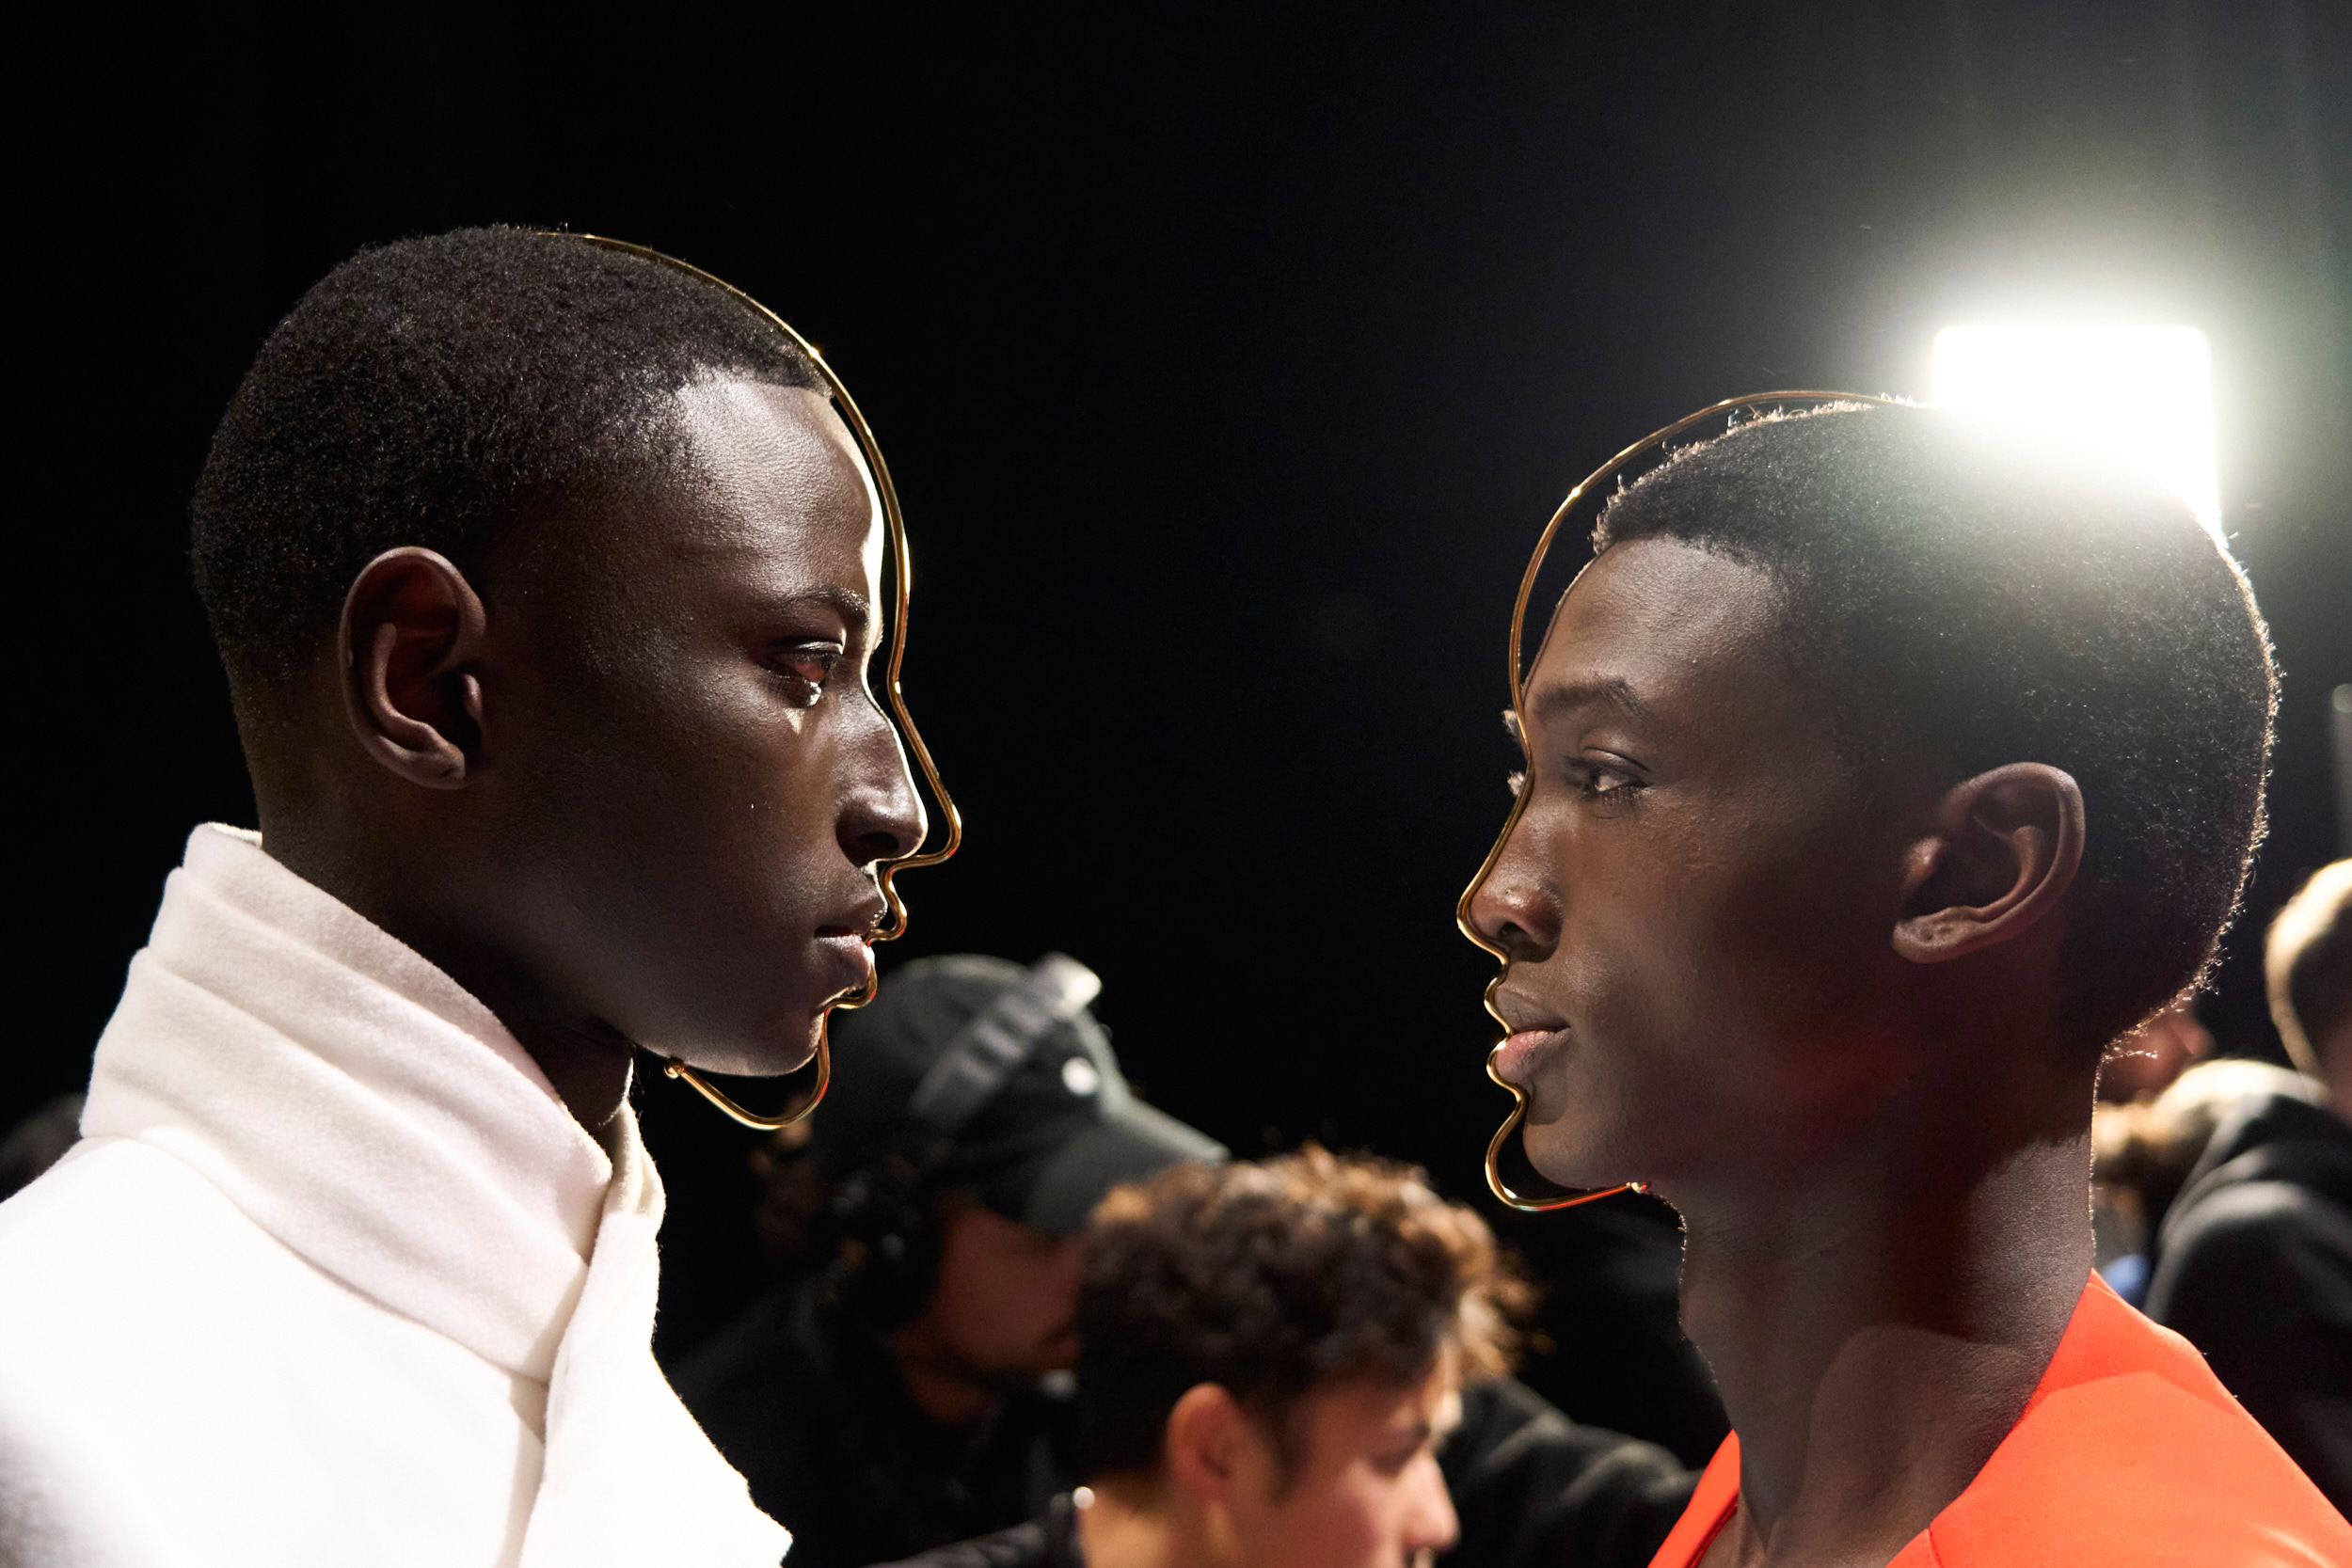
2129 1453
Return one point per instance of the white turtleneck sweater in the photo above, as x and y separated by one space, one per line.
334 1277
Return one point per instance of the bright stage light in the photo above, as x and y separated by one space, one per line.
2144 392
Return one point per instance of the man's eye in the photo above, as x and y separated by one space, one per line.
1598 781
808 665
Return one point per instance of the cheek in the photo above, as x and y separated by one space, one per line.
1339 1526
1716 916
1003 1305
1674 971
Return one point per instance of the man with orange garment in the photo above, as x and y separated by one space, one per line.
1879 775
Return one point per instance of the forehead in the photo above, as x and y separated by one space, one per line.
771 473
1344 1415
1657 628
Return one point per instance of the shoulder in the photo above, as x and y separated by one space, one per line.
124 1242
778 1345
2130 1449
774 1392
169 1372
1531 1487
111 1207
1509 1429
2252 1221
1022 1547
2252 1261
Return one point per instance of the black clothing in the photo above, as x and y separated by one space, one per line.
1048 1541
2253 1264
808 1403
1535 1490
1532 1488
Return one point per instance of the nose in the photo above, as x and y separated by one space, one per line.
881 816
1429 1525
1516 906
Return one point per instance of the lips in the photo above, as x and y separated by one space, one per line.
1536 1032
1524 1053
848 954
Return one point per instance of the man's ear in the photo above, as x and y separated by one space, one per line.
1202 1442
2004 851
410 640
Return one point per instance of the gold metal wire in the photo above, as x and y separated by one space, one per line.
896 633
1654 440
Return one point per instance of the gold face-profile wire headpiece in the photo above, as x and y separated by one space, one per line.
896 633
1589 485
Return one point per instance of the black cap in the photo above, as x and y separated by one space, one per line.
1058 1130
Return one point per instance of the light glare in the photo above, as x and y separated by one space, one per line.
2144 393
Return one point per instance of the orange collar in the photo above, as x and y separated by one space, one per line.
2128 1448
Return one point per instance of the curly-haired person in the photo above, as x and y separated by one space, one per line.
1300 1363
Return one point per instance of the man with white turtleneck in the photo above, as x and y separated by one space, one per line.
545 578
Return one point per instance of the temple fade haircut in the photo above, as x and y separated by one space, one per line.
429 392
1965 598
1271 1279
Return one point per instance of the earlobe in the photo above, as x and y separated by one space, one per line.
2004 851
409 641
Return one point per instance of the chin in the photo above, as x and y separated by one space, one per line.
764 1047
1576 1150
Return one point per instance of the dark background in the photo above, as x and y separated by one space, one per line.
1228 363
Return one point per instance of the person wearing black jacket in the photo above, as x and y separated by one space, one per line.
2253 1261
910 1384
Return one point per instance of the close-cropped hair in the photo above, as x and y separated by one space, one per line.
1271 1279
1964 598
2307 960
427 392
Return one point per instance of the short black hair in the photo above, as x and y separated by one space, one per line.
1973 597
425 392
1270 1277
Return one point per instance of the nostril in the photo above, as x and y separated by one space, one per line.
867 847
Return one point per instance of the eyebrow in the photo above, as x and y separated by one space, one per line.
854 608
1566 696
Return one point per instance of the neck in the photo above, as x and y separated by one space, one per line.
1126 1528
1876 1323
587 1064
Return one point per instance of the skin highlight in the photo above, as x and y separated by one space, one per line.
1357 1486
1815 1010
623 779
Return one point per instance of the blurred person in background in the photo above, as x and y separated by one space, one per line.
2142 1153
912 1385
2125 1159
38 1142
2144 1066
1300 1363
2252 1261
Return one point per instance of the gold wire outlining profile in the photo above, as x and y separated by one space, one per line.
894 633
1518 806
